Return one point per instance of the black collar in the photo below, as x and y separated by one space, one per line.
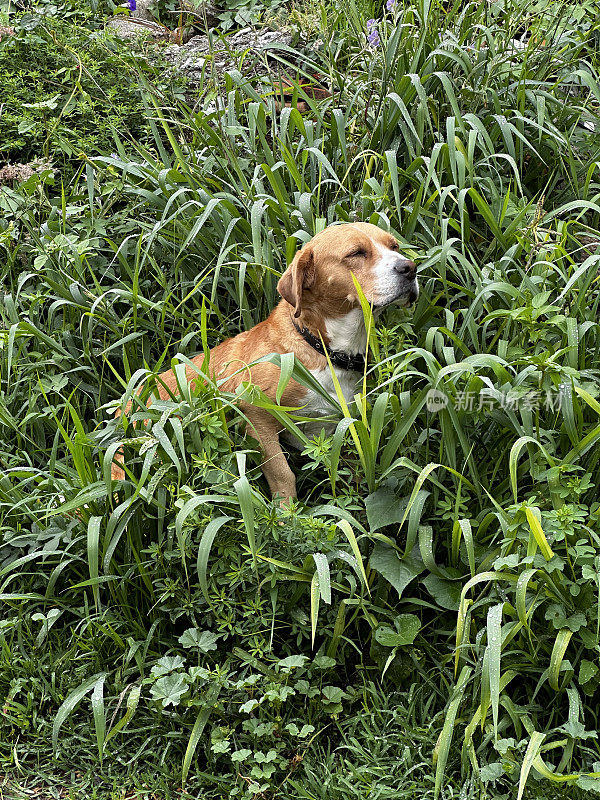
339 358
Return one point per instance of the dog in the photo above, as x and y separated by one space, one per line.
319 312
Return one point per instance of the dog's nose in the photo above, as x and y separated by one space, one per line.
406 268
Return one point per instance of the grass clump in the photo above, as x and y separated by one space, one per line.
71 91
426 618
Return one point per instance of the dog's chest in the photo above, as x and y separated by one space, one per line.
346 334
316 406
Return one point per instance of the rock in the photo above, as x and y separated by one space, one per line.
193 58
141 21
132 27
16 173
590 246
142 10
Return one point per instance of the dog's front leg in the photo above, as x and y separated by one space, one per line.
265 428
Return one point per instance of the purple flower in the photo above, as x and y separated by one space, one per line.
131 5
373 34
390 5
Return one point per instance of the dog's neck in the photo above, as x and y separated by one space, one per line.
347 333
345 337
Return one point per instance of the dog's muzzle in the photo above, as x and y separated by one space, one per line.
407 288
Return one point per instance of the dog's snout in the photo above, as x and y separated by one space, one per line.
405 268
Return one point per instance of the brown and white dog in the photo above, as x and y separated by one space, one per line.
320 304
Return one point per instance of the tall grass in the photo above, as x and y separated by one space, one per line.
187 623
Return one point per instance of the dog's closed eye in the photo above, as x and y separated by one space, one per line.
360 252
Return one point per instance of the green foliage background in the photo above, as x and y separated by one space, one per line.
426 619
68 91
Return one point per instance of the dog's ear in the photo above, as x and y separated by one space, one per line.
298 276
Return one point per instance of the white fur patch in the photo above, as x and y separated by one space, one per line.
387 281
349 382
316 406
348 333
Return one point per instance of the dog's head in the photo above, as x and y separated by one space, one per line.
319 278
